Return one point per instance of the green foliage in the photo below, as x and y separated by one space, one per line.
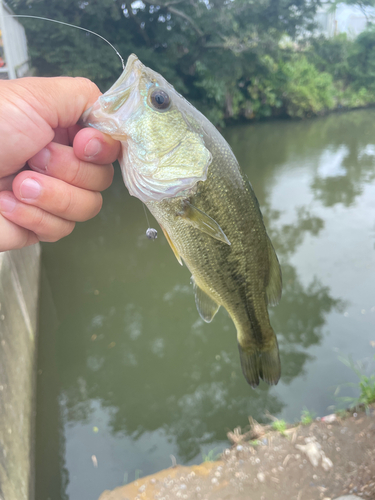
255 442
366 384
220 54
332 55
211 456
362 60
308 91
307 417
342 413
351 64
233 60
279 426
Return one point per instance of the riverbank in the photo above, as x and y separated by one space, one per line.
326 459
19 293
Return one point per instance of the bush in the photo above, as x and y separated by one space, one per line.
307 91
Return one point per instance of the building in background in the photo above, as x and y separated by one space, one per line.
13 45
344 18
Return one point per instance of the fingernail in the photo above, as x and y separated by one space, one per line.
40 160
30 189
93 147
7 203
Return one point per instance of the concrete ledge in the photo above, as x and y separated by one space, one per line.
19 291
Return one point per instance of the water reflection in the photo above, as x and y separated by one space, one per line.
124 351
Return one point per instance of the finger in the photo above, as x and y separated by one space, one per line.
66 135
94 146
61 100
13 236
61 136
56 197
33 108
6 183
60 162
45 226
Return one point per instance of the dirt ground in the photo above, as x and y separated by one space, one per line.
329 458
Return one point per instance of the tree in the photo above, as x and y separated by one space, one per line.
210 50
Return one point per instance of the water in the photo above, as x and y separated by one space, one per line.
129 374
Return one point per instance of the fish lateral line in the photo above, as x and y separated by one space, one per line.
25 16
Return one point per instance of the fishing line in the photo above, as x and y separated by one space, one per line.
151 233
73 26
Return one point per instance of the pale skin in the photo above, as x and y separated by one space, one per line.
51 171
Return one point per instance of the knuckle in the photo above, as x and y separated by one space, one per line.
68 229
39 220
90 86
99 203
66 203
109 178
77 176
65 229
96 205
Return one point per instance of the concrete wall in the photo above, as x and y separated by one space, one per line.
19 289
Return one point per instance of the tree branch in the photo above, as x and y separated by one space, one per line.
141 31
172 10
187 18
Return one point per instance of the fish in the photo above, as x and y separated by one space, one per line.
179 165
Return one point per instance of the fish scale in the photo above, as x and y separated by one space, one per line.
180 166
243 275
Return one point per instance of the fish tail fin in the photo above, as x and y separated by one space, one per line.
263 362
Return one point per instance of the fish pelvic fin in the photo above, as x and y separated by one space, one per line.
261 363
206 306
200 220
274 286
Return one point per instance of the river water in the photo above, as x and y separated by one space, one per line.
128 373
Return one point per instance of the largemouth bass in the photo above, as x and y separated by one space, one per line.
177 163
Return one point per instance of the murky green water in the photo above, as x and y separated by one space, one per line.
128 372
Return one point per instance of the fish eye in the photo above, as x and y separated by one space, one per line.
160 99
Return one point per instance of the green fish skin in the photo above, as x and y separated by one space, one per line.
180 166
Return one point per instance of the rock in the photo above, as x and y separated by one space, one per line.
329 418
261 477
348 497
315 454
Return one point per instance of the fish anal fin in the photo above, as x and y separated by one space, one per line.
171 244
206 306
274 287
200 220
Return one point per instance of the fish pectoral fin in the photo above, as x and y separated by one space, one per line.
206 306
200 220
273 289
171 244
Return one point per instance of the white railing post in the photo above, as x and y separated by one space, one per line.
14 43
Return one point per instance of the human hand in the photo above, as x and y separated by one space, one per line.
51 172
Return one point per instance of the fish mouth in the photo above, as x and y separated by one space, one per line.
108 112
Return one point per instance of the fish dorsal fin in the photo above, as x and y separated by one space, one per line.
171 244
200 220
207 307
274 286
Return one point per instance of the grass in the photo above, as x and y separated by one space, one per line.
211 456
307 416
279 426
366 384
255 442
